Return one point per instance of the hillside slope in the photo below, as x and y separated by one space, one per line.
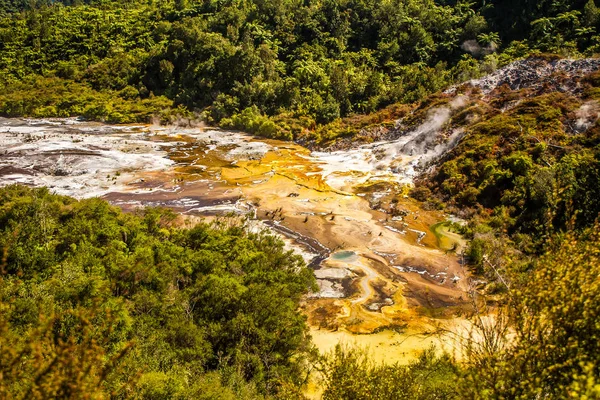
277 69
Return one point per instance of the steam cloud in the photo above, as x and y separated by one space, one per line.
400 160
587 115
471 46
418 144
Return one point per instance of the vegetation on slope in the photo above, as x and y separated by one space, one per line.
272 68
527 168
548 345
96 302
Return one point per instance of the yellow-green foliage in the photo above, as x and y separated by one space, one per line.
56 97
252 121
98 303
553 346
353 126
349 374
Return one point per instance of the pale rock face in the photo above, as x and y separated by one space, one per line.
534 73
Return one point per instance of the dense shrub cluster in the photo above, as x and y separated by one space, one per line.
94 301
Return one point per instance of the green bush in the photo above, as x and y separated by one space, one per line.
100 296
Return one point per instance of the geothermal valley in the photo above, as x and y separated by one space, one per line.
390 274
380 268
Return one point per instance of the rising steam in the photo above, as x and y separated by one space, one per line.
471 46
418 143
587 115
399 160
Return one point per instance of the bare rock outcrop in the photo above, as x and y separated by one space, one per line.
538 73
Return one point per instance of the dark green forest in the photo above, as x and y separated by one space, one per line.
276 68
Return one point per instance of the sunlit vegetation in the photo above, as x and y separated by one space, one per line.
349 374
100 303
53 97
278 69
551 347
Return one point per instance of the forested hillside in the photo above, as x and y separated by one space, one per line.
302 63
527 167
98 303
